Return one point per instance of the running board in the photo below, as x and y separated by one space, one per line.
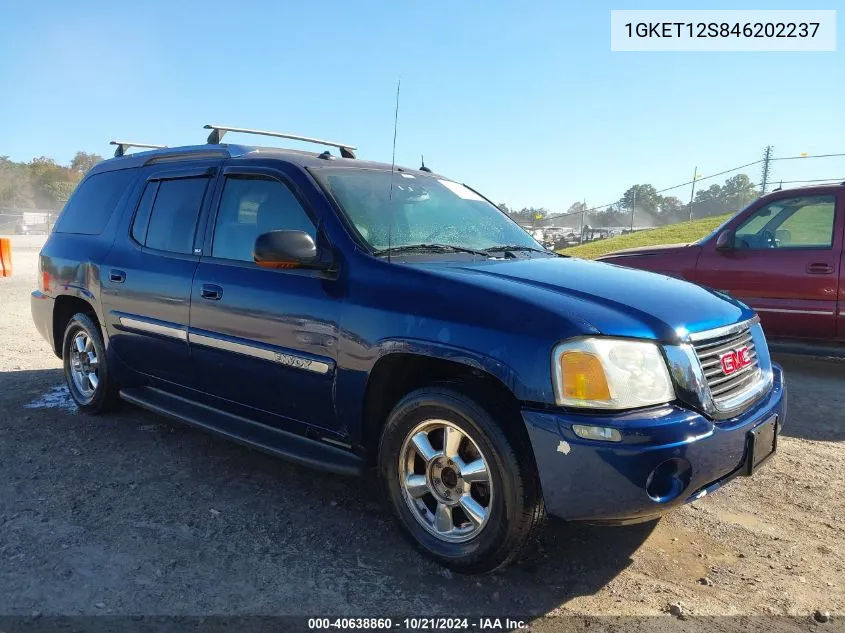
294 448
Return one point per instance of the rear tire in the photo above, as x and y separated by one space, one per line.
471 502
86 371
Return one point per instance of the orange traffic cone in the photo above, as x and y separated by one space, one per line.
5 257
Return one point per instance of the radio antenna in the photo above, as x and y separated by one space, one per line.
392 168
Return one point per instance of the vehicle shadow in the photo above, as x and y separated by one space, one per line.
165 519
815 397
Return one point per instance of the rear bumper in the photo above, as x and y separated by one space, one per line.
42 315
608 482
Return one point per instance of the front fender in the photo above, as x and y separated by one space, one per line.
470 358
357 363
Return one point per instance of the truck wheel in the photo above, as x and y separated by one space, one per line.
463 493
86 372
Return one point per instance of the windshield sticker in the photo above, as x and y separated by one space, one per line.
461 191
407 176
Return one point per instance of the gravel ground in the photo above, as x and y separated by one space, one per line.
133 514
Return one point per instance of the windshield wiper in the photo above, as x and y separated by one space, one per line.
517 247
429 248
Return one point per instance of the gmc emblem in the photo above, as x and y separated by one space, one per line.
734 360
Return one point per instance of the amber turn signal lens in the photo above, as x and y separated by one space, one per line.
277 265
583 377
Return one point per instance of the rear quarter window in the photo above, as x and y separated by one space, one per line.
92 204
170 224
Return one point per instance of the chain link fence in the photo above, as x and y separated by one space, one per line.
15 221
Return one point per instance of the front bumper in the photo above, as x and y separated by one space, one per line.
588 480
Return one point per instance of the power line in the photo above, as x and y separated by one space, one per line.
705 200
789 182
716 175
810 156
683 184
721 173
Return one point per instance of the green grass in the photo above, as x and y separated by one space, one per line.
680 233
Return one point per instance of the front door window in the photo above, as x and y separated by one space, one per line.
801 222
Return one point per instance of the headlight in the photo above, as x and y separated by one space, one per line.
606 373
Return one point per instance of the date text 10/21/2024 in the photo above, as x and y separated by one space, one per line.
418 624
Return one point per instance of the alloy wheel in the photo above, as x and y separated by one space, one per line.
445 480
83 365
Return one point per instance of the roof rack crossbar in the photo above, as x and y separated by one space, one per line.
217 132
122 146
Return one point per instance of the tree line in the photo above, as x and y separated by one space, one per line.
649 206
41 183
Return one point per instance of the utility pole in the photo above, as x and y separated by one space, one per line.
581 231
692 191
633 206
767 157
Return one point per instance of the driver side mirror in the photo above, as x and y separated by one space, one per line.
289 249
725 241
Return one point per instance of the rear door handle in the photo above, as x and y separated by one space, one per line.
117 276
211 292
819 268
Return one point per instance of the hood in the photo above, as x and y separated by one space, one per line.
609 299
646 250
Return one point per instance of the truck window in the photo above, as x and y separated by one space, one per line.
799 222
251 206
142 215
92 203
173 218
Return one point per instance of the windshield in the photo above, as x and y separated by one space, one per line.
421 210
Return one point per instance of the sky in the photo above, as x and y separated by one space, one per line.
523 101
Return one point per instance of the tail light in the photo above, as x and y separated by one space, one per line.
44 281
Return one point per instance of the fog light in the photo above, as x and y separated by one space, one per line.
600 433
668 480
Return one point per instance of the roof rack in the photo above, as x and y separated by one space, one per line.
122 146
217 132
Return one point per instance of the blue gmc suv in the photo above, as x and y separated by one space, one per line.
352 315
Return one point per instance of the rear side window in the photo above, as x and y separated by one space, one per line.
167 214
92 204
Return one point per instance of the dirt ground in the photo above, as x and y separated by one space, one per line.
133 514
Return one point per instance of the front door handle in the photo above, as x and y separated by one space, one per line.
117 276
211 292
819 268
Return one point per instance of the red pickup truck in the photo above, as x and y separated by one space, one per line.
782 255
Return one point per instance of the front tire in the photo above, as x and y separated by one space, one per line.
86 372
463 492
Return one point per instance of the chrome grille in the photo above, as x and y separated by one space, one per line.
726 388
